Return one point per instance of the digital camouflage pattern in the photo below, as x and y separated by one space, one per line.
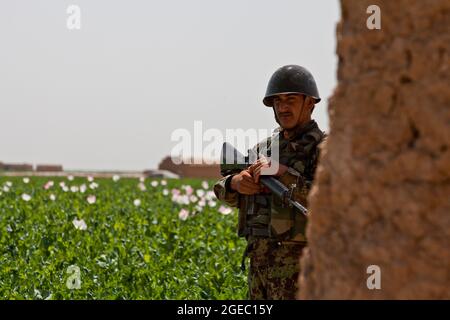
276 234
274 270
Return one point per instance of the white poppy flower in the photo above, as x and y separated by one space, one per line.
26 197
165 192
52 197
141 186
26 180
205 185
225 210
184 199
70 178
154 183
210 195
90 179
189 190
163 182
79 224
180 199
137 202
202 203
183 214
74 189
91 199
212 203
116 178
48 185
200 193
83 188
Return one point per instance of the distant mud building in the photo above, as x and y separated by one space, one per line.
16 167
185 170
25 167
49 168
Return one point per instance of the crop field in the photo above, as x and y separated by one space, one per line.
80 238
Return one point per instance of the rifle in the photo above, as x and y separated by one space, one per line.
234 162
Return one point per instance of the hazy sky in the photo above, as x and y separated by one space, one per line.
109 96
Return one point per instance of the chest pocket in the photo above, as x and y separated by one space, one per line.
255 216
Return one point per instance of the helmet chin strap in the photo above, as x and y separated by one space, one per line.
275 114
300 117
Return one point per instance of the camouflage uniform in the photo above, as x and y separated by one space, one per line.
276 234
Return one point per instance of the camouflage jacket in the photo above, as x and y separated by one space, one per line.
299 151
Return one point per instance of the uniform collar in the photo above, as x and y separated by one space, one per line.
297 131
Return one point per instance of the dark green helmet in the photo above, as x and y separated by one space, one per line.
291 79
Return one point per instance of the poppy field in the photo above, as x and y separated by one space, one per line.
119 238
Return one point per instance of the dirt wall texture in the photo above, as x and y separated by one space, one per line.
382 191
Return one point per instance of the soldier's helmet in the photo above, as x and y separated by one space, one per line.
291 79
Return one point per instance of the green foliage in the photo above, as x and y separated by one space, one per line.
126 251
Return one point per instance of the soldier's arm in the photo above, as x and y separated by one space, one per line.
301 172
223 191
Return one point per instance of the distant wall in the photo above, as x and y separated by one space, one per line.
49 168
17 167
205 171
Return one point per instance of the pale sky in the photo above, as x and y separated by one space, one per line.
110 95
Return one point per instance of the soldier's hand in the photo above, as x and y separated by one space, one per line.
257 167
244 183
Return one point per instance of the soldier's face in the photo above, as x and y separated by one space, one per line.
290 110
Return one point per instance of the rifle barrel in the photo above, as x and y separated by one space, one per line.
300 207
280 190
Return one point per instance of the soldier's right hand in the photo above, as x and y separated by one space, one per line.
245 184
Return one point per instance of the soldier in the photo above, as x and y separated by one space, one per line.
275 233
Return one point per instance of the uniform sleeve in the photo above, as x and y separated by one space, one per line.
224 193
302 169
305 163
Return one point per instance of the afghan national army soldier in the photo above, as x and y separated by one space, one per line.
275 232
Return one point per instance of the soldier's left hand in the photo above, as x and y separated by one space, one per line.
256 168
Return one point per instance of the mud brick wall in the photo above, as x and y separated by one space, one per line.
49 168
382 194
203 171
17 167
